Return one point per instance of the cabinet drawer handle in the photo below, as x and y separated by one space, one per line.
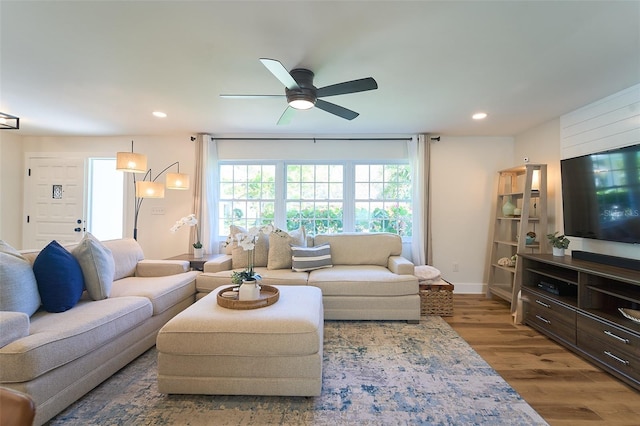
622 339
543 319
620 360
543 304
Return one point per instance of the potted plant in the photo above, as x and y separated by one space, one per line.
559 243
249 288
191 220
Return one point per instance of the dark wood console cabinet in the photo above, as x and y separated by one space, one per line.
575 302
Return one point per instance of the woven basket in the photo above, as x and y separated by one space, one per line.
436 299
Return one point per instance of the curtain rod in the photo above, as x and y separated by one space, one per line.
310 139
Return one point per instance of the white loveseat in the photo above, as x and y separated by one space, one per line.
58 357
368 278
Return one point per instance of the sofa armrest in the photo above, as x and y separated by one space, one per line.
400 265
161 268
220 263
14 326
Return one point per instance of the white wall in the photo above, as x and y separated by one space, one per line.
153 229
11 180
544 144
464 182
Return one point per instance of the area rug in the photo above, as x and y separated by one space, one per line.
374 373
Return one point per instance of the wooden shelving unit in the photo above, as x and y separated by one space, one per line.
526 188
575 302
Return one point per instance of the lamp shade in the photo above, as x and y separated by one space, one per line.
131 162
146 189
177 181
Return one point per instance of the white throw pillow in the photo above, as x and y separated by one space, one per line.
18 285
309 258
97 264
280 243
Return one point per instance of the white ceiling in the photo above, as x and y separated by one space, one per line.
101 68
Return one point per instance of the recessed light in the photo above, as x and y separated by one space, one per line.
159 114
479 115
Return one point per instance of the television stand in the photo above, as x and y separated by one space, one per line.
587 320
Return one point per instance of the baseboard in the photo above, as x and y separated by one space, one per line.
467 288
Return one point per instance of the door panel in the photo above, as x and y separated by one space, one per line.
54 201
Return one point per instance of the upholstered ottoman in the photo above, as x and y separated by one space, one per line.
275 350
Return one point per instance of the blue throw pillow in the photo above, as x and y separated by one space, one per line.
59 278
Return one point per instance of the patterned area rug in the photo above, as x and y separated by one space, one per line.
374 373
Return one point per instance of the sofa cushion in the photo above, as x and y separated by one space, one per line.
126 254
240 256
56 340
98 268
162 292
362 280
310 258
280 243
18 286
210 281
231 238
14 326
59 278
361 248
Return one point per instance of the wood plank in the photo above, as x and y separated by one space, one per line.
562 387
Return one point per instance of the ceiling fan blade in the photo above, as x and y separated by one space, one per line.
334 109
280 72
251 96
353 86
286 116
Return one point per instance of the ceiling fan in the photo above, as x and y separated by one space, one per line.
302 94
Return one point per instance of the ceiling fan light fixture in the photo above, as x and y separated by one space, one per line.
301 98
301 104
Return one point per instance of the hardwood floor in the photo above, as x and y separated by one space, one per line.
562 387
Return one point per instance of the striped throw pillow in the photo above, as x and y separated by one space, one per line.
309 258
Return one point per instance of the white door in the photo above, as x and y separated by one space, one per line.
54 201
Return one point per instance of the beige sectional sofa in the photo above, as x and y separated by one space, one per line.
58 357
368 278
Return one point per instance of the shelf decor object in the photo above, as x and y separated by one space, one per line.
520 215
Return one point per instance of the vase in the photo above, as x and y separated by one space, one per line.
508 208
198 253
558 251
249 290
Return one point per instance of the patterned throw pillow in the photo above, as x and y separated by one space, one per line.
280 243
98 267
18 287
309 258
59 278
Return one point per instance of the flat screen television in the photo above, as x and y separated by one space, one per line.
601 195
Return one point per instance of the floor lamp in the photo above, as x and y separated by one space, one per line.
132 162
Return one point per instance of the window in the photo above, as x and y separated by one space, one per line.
314 197
383 198
105 199
247 195
323 197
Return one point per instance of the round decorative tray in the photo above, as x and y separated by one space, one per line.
268 296
631 314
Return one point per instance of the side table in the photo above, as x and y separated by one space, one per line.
196 263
